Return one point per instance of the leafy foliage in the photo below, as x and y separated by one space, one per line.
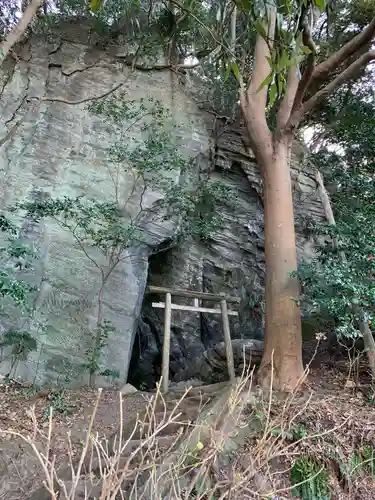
342 275
21 342
14 255
93 362
310 480
58 403
96 223
197 208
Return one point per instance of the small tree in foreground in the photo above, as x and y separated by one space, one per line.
15 258
142 158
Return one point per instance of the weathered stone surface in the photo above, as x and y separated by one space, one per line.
246 353
232 262
128 389
50 143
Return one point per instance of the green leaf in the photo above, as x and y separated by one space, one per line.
243 5
236 72
95 5
284 61
321 4
267 81
270 61
260 28
305 50
273 94
199 446
281 84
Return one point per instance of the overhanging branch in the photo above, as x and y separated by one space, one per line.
363 39
288 100
129 61
18 31
310 66
342 78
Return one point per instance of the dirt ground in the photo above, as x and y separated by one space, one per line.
19 471
339 407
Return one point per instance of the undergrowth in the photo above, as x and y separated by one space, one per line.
253 445
58 403
309 479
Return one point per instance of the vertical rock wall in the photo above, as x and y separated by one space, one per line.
51 145
232 262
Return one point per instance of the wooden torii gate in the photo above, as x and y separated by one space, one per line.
197 297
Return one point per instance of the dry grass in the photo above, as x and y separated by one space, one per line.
242 447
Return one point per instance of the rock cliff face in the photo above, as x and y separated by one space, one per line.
51 145
232 262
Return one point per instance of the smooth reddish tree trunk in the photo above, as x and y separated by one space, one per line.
282 359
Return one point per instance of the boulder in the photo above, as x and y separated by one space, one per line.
246 353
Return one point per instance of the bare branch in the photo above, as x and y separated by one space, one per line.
203 25
288 100
16 34
323 69
159 67
85 99
342 78
307 74
233 24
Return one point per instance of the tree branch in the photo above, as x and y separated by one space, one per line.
288 100
323 69
342 78
204 26
233 25
129 61
16 34
254 99
307 74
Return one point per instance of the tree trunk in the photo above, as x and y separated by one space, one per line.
282 359
369 343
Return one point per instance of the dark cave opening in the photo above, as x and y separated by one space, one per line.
196 337
146 359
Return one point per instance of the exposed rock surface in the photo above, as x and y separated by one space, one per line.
246 353
232 262
50 145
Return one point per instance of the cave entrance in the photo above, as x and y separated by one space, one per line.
168 306
158 350
146 359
